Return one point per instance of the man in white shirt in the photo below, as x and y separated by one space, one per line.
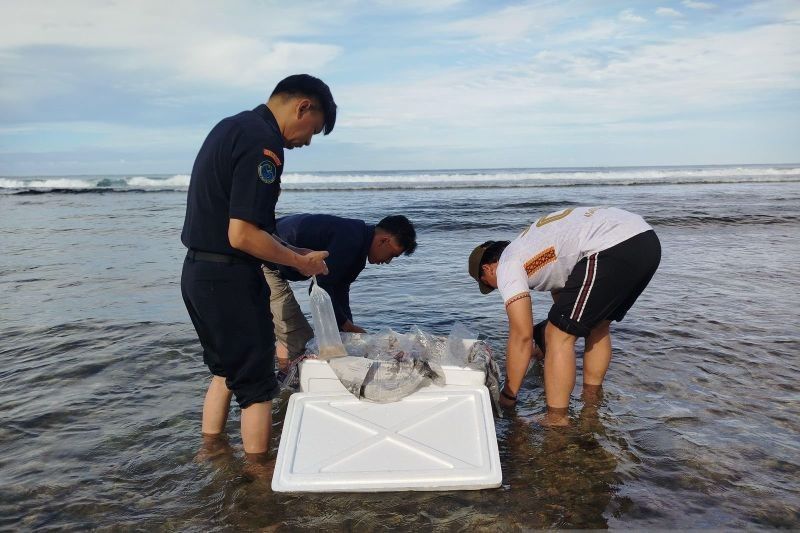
596 261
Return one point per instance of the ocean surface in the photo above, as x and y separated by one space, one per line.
102 380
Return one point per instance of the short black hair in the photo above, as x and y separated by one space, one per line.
310 87
402 230
494 249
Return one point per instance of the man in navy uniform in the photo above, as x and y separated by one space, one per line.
350 243
230 218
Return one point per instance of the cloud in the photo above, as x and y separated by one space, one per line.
597 30
246 61
691 4
508 24
151 23
99 135
558 94
176 40
425 6
630 17
668 12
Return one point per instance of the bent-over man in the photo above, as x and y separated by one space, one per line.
596 261
350 244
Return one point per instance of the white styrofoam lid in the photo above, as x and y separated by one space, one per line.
430 440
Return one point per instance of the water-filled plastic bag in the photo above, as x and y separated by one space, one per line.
326 331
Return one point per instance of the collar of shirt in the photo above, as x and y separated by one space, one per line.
264 112
369 233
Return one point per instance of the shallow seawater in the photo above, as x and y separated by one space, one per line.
101 377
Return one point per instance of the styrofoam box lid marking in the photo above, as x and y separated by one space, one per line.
430 440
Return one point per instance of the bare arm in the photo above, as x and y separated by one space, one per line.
248 238
297 249
520 335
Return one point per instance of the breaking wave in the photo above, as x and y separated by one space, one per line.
400 180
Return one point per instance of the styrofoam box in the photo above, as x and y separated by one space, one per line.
433 439
438 438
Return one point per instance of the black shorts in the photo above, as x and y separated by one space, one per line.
229 307
604 285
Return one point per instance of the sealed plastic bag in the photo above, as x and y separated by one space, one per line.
385 381
384 367
326 331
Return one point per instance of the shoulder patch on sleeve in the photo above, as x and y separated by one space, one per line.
271 155
267 171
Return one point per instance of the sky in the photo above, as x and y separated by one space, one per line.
133 87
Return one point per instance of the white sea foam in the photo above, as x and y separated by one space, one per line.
176 181
643 175
47 183
80 183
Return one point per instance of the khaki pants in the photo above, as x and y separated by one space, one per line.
291 327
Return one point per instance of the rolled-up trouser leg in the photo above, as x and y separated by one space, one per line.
291 327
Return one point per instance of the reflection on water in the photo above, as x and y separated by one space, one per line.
560 477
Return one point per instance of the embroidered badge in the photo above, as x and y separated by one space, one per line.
271 155
538 261
267 171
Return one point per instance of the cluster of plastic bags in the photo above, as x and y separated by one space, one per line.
388 366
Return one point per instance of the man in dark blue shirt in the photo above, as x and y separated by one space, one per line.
230 216
350 244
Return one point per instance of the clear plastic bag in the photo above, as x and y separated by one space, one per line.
383 367
457 353
385 381
480 357
326 331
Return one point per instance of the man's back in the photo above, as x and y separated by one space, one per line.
543 256
347 240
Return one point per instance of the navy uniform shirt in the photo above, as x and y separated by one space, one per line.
347 240
237 174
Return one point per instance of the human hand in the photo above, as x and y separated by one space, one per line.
312 263
537 353
507 400
352 328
